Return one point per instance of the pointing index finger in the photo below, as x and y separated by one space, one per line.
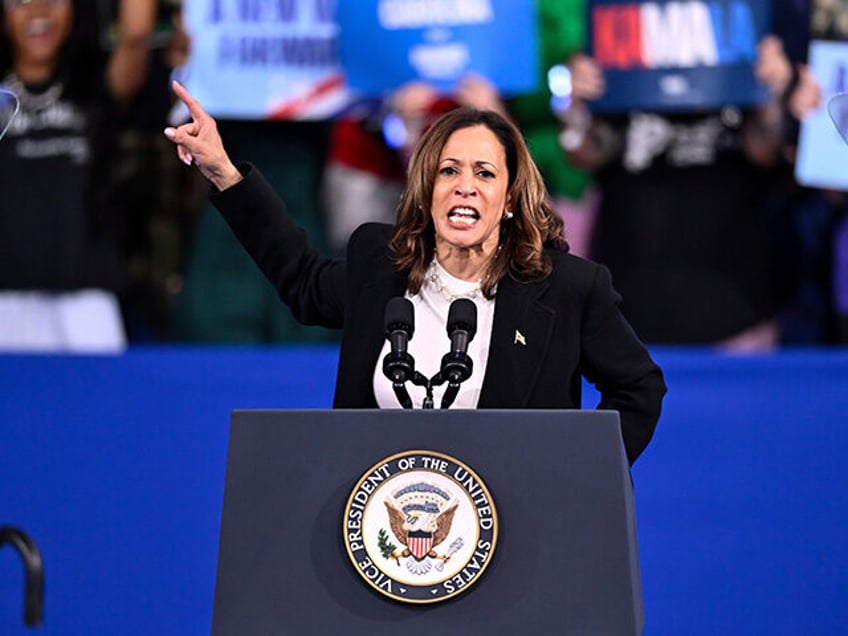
194 107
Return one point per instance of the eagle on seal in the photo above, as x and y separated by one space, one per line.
420 529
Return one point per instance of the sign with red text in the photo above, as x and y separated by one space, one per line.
677 56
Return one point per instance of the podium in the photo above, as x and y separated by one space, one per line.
566 560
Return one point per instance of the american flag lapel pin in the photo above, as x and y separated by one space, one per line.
519 339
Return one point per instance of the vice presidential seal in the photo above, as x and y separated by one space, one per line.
420 526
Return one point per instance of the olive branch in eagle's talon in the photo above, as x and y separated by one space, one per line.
386 547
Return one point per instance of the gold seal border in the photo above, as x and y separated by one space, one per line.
392 458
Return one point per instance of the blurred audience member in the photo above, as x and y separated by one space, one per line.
364 176
561 27
159 199
60 263
684 217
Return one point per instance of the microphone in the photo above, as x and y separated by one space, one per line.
456 365
398 365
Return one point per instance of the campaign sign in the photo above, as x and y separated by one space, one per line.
677 56
385 43
822 152
265 59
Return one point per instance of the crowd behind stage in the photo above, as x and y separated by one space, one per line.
102 228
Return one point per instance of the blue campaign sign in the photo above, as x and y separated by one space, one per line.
822 152
265 59
385 43
674 56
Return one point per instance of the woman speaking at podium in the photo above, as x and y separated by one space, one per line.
473 223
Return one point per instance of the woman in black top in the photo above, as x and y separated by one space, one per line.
474 222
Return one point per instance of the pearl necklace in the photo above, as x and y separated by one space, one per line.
439 285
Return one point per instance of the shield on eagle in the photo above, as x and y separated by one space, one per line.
419 543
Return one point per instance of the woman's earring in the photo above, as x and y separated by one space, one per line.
508 215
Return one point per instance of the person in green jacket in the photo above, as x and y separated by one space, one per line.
561 32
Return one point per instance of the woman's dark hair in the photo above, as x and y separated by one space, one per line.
533 226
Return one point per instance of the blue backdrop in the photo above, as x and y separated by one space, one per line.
116 466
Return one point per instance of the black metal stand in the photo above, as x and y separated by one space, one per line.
33 572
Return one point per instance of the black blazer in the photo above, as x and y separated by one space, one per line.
570 321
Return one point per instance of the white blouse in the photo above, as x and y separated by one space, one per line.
430 341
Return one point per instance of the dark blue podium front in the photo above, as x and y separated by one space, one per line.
566 560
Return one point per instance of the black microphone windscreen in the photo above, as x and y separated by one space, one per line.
462 315
400 315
